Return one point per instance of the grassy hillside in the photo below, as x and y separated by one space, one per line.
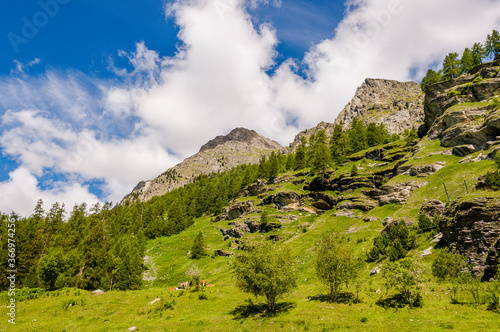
224 307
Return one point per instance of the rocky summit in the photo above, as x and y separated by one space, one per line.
240 146
398 105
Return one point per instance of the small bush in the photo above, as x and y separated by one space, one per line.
202 296
477 80
364 320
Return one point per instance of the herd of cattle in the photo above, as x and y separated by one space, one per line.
188 284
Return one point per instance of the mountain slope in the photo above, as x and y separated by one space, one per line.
240 146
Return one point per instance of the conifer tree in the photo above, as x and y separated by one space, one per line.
430 78
300 156
451 66
198 248
467 61
478 54
493 44
320 158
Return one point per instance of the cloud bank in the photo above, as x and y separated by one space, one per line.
224 75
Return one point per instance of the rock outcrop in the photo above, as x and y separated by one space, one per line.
398 105
460 111
240 146
472 227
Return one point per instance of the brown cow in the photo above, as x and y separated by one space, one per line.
203 283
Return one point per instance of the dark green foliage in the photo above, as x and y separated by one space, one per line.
425 223
320 156
338 144
451 66
478 54
493 44
492 180
448 265
467 62
394 243
266 270
198 248
300 157
354 170
430 78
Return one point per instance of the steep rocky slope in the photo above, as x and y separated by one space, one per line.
398 105
460 112
240 146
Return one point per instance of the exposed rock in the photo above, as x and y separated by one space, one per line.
458 112
223 253
327 198
237 210
358 204
240 146
437 238
282 199
472 227
376 270
243 135
321 205
345 213
97 291
275 238
426 170
370 219
387 221
433 207
232 232
398 105
426 252
373 193
255 189
463 150
398 193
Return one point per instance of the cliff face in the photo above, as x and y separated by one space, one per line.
240 146
472 227
398 105
461 112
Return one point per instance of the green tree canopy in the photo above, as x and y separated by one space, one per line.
266 270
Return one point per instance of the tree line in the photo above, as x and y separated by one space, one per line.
103 246
453 65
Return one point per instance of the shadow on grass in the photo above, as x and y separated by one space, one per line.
399 301
251 309
342 297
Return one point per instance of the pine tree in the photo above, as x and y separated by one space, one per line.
467 61
478 54
198 248
493 44
320 158
300 156
430 78
451 66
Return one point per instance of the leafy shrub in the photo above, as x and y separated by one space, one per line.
453 93
492 180
202 296
448 265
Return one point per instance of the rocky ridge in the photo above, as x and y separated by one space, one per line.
240 146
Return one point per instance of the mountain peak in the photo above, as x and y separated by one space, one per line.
243 135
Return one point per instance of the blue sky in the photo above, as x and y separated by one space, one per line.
98 95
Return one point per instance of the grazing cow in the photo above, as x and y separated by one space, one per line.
203 283
210 285
183 285
172 288
191 283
